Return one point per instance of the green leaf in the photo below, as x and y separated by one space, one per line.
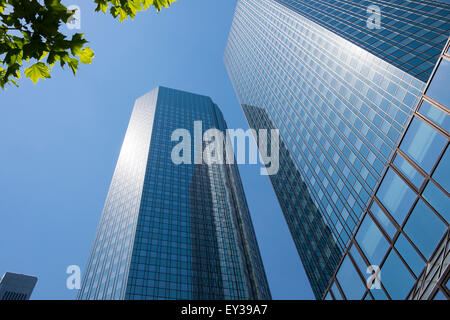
37 71
44 54
86 55
103 6
73 64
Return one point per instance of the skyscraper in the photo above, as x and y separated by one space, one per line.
341 89
311 234
173 231
405 230
15 286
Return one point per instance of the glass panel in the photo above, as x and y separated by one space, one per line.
396 196
358 259
378 294
442 172
388 226
371 241
438 199
328 296
350 281
395 277
435 114
438 89
439 296
336 292
410 255
423 144
424 228
409 171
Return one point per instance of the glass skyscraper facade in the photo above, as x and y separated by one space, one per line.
342 98
311 234
405 231
411 34
15 286
173 231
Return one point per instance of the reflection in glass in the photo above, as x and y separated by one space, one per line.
439 296
378 294
423 144
410 255
383 219
306 223
350 281
358 259
395 277
424 228
439 200
438 89
336 292
442 172
435 114
372 241
396 196
409 171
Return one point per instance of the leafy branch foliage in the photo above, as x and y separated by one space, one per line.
31 41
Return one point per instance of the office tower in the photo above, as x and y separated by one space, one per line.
341 95
173 231
311 234
410 36
15 286
405 231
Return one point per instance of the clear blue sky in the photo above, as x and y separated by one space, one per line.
60 140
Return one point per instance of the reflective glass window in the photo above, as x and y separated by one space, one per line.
410 255
372 241
358 259
397 280
435 114
438 89
423 144
424 228
379 214
336 292
378 294
409 171
438 199
442 172
396 196
350 281
439 296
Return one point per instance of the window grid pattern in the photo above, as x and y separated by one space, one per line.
107 269
406 229
411 36
9 295
192 236
319 253
340 110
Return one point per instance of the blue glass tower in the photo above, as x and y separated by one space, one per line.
405 230
341 95
311 234
410 36
173 231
